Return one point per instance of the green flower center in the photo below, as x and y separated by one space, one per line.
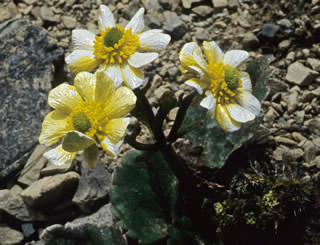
231 76
112 37
81 122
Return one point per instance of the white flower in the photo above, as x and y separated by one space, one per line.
118 51
228 91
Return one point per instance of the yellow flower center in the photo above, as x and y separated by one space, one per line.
224 80
115 45
90 120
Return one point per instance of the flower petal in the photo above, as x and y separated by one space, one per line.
113 72
224 120
104 89
133 76
137 22
54 127
58 156
209 102
64 97
198 84
245 82
239 114
249 102
191 55
91 155
82 60
235 57
111 148
106 18
85 84
116 129
122 102
213 52
83 39
75 141
140 59
153 40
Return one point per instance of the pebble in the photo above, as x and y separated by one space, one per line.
10 236
284 23
310 151
314 63
284 45
299 74
202 10
69 22
293 101
187 3
270 116
285 141
47 15
314 125
174 25
269 30
219 4
300 116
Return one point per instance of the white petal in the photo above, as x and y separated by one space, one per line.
224 120
137 22
194 85
111 148
249 102
77 54
132 76
235 57
140 59
191 55
153 40
240 114
58 156
83 39
209 102
213 52
114 72
197 69
106 18
246 81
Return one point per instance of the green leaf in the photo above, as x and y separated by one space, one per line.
143 194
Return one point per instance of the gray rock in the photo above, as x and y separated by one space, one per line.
300 75
52 169
174 25
271 115
173 72
314 63
131 10
284 23
279 152
250 41
219 4
316 162
4 14
310 151
201 34
314 125
93 188
284 45
13 205
47 15
27 73
269 30
10 236
69 22
243 22
101 218
154 20
35 163
276 85
187 3
293 101
202 10
300 116
152 5
284 141
51 190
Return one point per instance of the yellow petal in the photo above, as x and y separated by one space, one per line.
64 97
116 129
198 84
122 102
58 156
75 141
104 89
224 120
213 52
191 55
85 83
54 127
91 155
82 60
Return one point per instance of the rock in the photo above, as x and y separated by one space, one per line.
154 20
10 236
101 218
284 23
219 4
93 188
12 8
314 125
300 116
285 141
51 190
187 3
13 205
279 152
271 115
293 101
202 10
35 163
284 45
294 154
131 10
69 22
276 85
52 169
174 25
316 162
4 15
47 15
173 72
27 73
28 229
300 75
152 5
269 30
250 41
243 22
314 63
310 151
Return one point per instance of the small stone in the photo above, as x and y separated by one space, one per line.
187 3
29 2
314 125
279 152
174 25
47 15
310 151
12 8
293 101
300 75
295 154
69 22
284 45
153 5
243 22
270 116
131 10
4 15
154 20
300 116
285 141
202 10
291 56
284 23
201 34
219 4
314 63
269 30
316 162
51 190
173 72
10 236
298 137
